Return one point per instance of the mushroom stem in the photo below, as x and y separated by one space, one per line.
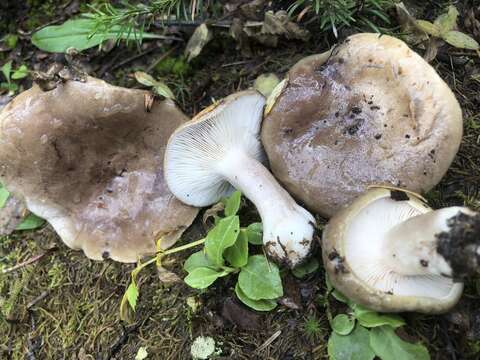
287 227
444 242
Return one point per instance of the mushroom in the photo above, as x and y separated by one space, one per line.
391 252
88 158
218 150
370 111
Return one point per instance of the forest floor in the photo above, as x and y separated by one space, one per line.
65 306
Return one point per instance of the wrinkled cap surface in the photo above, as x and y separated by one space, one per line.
196 150
374 112
88 158
356 257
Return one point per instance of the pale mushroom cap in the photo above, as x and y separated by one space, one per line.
353 254
195 150
88 158
371 111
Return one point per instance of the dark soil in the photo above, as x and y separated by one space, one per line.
65 306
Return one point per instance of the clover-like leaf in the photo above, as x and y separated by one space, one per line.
354 346
260 279
460 40
201 278
259 305
222 236
428 27
343 324
255 233
237 255
388 346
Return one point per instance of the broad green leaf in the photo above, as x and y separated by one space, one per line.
31 222
255 233
12 87
20 73
428 27
11 41
197 260
260 279
303 270
6 70
4 194
232 203
343 324
132 295
369 318
222 236
388 346
354 346
447 22
78 34
237 255
259 305
201 278
460 40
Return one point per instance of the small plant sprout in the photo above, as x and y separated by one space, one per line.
218 150
391 252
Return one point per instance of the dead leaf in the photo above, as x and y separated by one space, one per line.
213 212
253 10
201 36
168 277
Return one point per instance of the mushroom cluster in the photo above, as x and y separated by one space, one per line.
88 157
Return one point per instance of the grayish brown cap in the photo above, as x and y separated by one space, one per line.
88 158
370 111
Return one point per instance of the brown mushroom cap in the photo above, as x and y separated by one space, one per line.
88 158
371 111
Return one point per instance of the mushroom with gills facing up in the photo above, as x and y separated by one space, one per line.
391 252
218 150
88 157
370 111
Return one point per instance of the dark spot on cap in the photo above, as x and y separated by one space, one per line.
378 136
356 110
105 255
374 108
399 195
341 60
407 136
337 114
424 263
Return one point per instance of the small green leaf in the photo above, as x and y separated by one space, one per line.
222 236
388 346
260 279
369 318
77 34
201 278
132 295
144 78
232 203
306 268
159 87
255 234
12 87
197 260
460 40
343 324
340 297
259 305
447 22
11 41
6 70
354 346
428 27
237 255
4 194
31 222
20 73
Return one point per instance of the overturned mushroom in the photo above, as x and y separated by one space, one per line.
391 252
220 149
88 158
370 111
